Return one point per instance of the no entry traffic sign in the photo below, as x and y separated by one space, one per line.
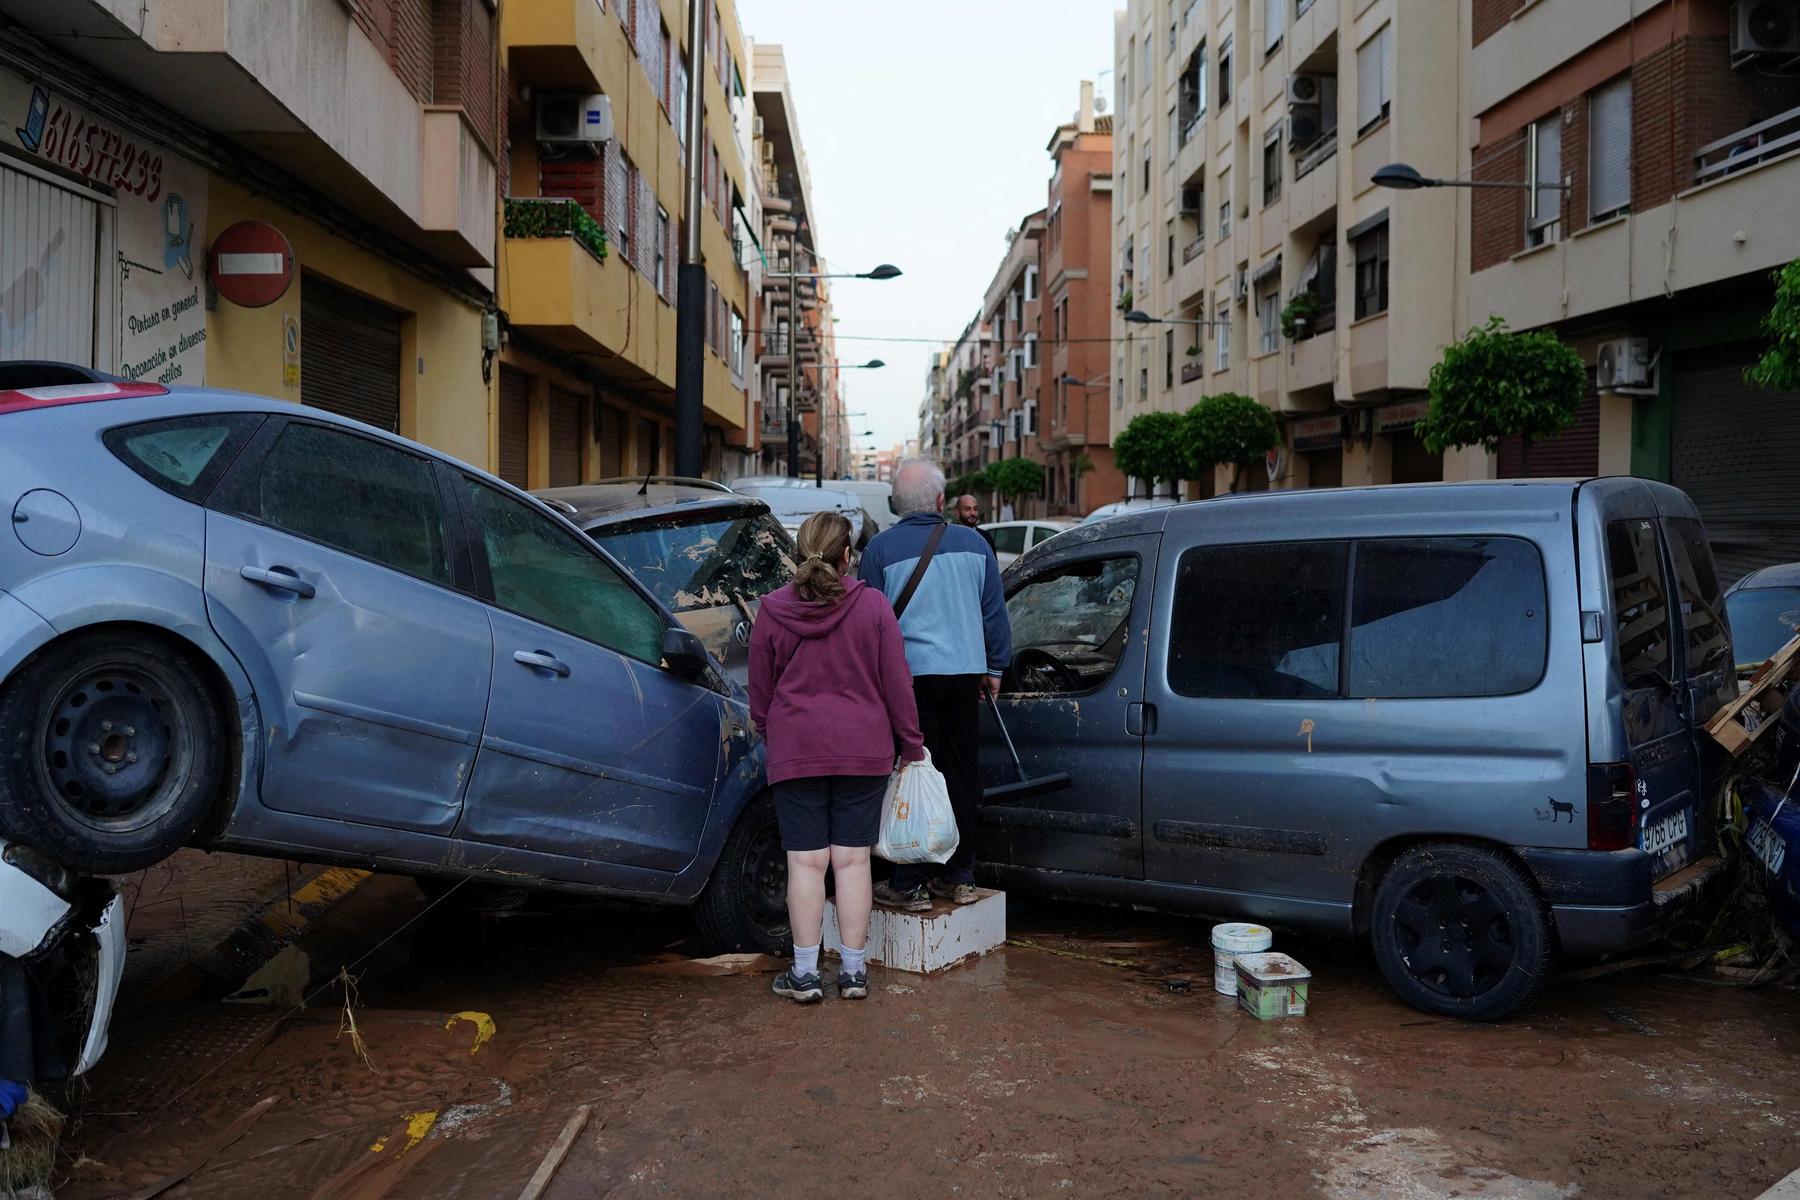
251 264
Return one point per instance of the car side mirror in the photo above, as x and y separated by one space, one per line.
684 653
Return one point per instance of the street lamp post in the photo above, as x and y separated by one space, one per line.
1403 177
884 271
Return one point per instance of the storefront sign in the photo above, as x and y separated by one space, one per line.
1317 433
251 264
161 320
1401 417
1275 461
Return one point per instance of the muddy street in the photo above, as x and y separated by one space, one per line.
1089 1056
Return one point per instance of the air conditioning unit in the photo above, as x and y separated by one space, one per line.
1304 89
756 126
564 117
1190 200
1243 286
1305 109
1625 364
1765 27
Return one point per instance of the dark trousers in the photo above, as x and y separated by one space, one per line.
949 717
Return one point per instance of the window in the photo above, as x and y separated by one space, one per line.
1009 539
1446 616
690 562
1225 205
1274 14
1031 283
1143 372
1272 165
737 343
1200 80
1147 66
678 106
1374 78
1174 27
1170 229
1031 425
1707 633
1371 251
184 455
1543 207
1031 349
1268 318
356 494
1609 149
1224 72
1070 625
551 576
662 250
1146 191
1222 332
1257 621
1640 605
1168 358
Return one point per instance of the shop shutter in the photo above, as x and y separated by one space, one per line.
1734 446
1412 462
612 434
1575 454
48 258
565 438
350 355
515 427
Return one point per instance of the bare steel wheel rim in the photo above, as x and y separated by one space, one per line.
117 747
1455 935
764 882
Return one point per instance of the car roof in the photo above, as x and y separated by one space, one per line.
606 503
1780 575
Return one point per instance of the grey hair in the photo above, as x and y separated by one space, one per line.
918 485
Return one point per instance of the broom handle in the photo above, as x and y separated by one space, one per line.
995 705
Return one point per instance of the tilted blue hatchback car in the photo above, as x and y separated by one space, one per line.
232 621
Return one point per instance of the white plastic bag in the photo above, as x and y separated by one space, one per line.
917 823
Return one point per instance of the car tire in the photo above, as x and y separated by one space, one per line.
1460 931
112 753
744 906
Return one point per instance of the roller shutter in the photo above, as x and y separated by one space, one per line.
515 428
1734 449
1573 454
565 438
48 260
351 355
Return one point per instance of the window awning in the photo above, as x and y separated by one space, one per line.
1272 267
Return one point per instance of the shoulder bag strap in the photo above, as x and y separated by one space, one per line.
918 573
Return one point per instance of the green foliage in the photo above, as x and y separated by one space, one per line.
1153 446
965 384
1229 428
1016 477
1125 300
1299 311
1495 383
1080 465
1779 367
532 217
972 484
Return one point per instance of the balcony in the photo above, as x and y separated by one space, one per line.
1767 139
1192 275
1312 362
1191 157
1194 368
1313 198
557 45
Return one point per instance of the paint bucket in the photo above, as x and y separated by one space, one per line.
1229 941
1272 985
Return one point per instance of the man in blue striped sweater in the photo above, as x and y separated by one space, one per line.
958 642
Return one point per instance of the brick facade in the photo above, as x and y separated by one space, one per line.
1497 217
464 64
1490 17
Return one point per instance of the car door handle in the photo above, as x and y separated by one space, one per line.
1140 719
542 661
280 579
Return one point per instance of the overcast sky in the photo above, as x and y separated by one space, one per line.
924 126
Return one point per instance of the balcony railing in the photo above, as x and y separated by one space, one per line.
1193 368
1315 154
545 217
1193 249
1748 146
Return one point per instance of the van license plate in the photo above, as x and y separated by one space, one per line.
1667 839
1767 845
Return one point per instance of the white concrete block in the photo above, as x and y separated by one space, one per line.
923 942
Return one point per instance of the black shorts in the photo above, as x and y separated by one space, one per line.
829 810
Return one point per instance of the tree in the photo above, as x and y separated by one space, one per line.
971 484
1779 367
1229 428
1496 383
1152 447
1014 477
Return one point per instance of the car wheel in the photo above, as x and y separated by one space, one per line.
744 906
1459 930
112 753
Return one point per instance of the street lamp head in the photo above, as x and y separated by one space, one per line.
1401 177
884 271
1065 377
1138 316
874 364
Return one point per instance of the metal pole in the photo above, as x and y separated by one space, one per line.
824 411
690 295
793 463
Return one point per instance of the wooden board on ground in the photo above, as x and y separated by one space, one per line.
1742 721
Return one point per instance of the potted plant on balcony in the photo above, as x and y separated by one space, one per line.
1229 428
1496 383
1779 367
1125 301
1297 316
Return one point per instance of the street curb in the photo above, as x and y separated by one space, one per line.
1786 1189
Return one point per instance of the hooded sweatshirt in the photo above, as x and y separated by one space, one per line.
829 685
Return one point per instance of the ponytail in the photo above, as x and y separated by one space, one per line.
824 537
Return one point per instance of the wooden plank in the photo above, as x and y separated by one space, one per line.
558 1151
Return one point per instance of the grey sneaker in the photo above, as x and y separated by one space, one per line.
916 900
805 989
956 893
853 987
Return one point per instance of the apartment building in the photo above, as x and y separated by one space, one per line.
1658 141
939 385
1245 135
367 139
787 249
596 114
1012 312
969 420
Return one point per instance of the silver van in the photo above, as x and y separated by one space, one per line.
1464 721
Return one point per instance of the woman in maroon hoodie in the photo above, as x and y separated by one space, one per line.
832 695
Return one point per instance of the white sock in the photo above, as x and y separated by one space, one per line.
852 960
806 961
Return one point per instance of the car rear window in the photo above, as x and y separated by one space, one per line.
1640 601
183 455
1705 625
690 562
